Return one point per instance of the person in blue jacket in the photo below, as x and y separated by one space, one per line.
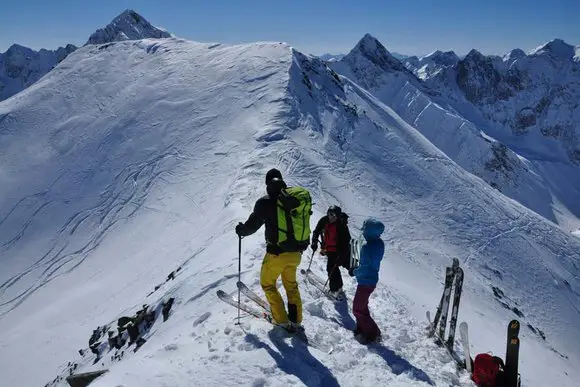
367 276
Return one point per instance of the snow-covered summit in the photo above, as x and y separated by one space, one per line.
370 48
20 66
430 65
556 48
514 54
129 25
445 58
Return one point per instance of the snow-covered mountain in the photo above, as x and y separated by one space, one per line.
20 66
529 102
129 25
543 185
371 66
147 154
430 65
337 57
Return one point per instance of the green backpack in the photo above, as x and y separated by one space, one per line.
294 210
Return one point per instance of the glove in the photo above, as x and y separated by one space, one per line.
314 246
240 229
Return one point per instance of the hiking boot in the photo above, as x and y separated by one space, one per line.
338 294
361 338
292 327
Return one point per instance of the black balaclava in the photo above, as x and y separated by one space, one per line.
274 187
272 173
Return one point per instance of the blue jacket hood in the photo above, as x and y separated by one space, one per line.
372 229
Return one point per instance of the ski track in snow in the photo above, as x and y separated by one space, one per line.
120 200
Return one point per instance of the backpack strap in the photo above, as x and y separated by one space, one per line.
499 362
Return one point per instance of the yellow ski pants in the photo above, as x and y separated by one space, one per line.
273 266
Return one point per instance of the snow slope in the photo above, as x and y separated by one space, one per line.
150 168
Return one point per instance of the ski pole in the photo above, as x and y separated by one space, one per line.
312 256
239 273
310 263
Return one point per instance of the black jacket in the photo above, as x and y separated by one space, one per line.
265 212
343 236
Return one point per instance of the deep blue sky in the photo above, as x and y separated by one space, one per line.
315 26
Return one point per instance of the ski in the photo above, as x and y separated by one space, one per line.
464 335
449 276
245 307
460 363
253 296
443 303
455 310
512 353
262 314
319 284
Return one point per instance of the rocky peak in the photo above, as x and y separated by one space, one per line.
556 48
129 25
370 48
447 58
514 55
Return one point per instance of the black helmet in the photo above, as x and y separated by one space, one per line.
274 186
271 174
336 210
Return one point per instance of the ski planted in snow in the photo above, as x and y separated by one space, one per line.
512 353
443 303
449 277
460 362
464 335
455 309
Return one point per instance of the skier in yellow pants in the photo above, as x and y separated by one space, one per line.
286 265
283 254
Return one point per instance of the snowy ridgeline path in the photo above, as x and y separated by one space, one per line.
406 357
217 352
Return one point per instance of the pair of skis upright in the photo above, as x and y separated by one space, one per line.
453 279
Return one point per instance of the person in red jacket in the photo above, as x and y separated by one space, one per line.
333 228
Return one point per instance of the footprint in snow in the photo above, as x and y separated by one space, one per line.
201 318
